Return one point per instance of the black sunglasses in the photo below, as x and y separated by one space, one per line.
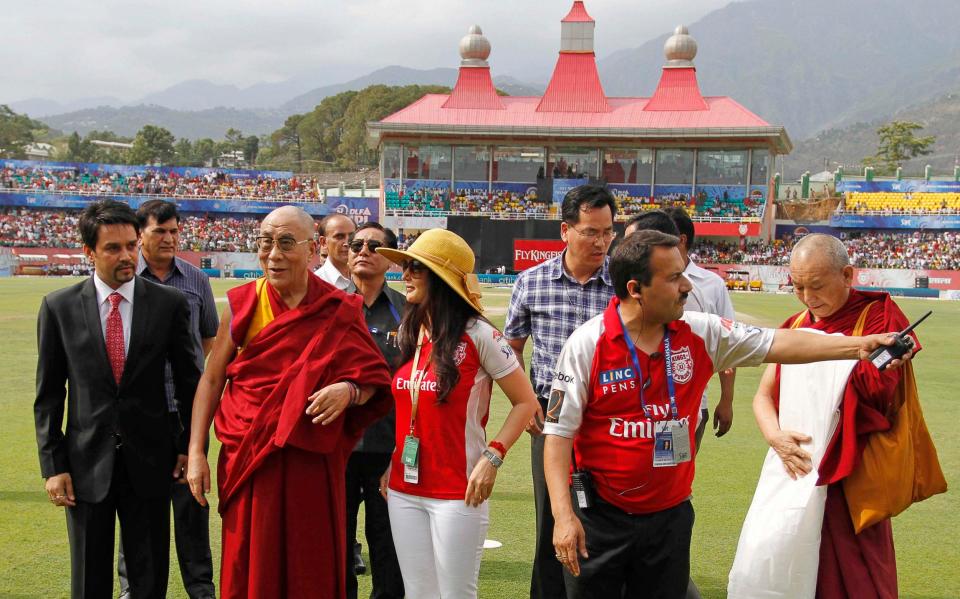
356 246
416 267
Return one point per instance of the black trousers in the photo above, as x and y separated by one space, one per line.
144 530
546 581
191 526
363 486
633 555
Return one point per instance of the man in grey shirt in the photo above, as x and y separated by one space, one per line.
159 242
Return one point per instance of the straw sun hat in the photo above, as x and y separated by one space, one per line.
448 256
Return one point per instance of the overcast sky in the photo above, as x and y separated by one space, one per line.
69 49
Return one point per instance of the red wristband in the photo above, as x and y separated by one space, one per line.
499 447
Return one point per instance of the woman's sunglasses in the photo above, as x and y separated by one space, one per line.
416 267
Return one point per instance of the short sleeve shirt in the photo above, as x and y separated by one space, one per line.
596 400
452 433
548 304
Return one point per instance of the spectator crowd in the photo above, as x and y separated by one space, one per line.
170 184
940 250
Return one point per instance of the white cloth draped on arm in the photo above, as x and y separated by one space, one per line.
779 549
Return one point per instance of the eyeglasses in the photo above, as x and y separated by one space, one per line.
593 234
356 246
286 244
416 267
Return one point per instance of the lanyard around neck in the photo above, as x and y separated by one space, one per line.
668 362
416 378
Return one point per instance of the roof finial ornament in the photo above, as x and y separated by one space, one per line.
474 48
680 48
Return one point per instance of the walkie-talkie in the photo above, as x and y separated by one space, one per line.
882 357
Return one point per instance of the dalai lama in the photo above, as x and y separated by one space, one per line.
300 378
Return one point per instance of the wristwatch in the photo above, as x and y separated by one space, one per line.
494 458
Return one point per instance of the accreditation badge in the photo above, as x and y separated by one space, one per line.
671 443
410 459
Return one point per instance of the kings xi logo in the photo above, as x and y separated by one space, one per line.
682 365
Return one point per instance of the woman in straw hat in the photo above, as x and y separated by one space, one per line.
443 469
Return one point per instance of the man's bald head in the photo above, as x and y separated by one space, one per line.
821 248
294 217
335 232
822 274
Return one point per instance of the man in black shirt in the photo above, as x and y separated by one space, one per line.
382 308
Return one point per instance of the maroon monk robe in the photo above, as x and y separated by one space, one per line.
281 477
862 566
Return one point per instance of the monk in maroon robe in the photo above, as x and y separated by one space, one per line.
300 379
851 565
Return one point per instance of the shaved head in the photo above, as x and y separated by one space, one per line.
822 274
294 217
821 248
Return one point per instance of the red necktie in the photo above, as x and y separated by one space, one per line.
115 337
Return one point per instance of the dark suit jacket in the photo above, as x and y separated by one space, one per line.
73 354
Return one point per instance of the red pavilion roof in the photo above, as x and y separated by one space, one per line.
677 90
521 113
575 86
474 89
577 14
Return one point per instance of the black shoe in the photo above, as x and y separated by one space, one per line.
358 566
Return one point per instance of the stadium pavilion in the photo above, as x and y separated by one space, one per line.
474 150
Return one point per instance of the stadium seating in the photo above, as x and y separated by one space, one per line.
902 203
167 184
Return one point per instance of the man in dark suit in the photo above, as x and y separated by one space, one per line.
108 340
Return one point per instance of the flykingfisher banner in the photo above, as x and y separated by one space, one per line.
530 252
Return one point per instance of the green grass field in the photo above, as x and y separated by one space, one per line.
34 557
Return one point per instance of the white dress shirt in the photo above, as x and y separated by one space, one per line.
125 307
329 273
709 295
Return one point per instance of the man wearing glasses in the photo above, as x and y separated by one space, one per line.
335 232
287 420
549 301
382 308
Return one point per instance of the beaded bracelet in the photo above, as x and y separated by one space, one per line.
354 393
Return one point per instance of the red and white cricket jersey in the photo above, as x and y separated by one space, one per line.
596 400
452 434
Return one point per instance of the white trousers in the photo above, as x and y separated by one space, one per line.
439 544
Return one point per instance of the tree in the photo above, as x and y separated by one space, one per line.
152 145
898 144
251 147
184 153
285 148
17 131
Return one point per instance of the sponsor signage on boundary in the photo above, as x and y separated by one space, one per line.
774 277
735 229
139 169
530 252
898 221
907 185
360 210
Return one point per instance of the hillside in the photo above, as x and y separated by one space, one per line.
810 64
849 145
399 76
126 121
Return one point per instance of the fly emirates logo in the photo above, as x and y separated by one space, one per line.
641 429
402 384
